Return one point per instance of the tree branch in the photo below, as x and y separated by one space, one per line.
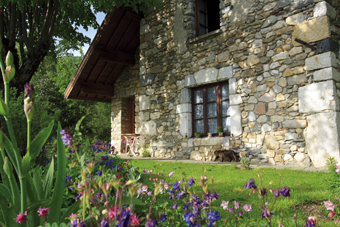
35 21
24 33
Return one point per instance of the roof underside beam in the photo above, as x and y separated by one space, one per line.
114 56
96 89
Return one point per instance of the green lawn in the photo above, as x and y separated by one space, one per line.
305 187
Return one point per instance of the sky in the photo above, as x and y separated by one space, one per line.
90 33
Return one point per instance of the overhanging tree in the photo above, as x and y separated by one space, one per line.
31 28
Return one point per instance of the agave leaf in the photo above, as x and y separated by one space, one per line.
39 141
37 172
48 181
59 188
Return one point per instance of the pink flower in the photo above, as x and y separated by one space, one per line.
43 212
171 173
247 207
338 169
224 204
73 218
331 214
329 205
112 213
150 193
22 217
135 220
312 220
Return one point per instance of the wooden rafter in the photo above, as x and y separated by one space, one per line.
96 89
114 56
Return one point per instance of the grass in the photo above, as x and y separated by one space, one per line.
305 188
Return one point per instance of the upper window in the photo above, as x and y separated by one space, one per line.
211 108
207 16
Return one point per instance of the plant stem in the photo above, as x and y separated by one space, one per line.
9 119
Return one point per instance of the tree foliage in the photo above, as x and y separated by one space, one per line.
30 29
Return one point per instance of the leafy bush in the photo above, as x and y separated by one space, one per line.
333 179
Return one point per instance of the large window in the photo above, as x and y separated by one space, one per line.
207 16
211 108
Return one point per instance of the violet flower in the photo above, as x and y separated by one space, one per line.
237 205
250 184
265 213
191 182
285 192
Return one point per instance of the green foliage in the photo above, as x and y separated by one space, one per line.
145 152
52 79
245 163
44 114
333 178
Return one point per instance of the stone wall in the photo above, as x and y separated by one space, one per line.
282 93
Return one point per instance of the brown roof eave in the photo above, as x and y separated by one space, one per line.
88 55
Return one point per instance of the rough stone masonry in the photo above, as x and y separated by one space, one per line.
284 93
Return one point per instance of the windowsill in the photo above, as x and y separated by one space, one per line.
204 37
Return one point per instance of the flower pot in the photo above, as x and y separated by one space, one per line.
220 134
209 134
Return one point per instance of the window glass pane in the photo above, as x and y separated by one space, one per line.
198 96
198 111
226 124
211 94
199 126
212 109
212 125
225 91
225 108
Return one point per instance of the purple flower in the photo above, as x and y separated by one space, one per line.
151 223
276 193
250 184
171 173
285 192
99 173
338 169
214 216
174 205
263 191
189 218
29 89
176 185
104 222
247 207
180 195
231 209
163 217
62 132
191 182
265 213
237 205
66 139
310 222
240 213
224 204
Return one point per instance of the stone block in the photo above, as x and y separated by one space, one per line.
300 157
288 158
147 80
149 128
189 81
271 143
324 9
144 102
235 99
206 76
266 98
196 155
291 136
185 95
191 142
321 61
235 119
184 108
144 116
322 137
294 124
155 115
283 3
278 158
225 73
318 97
280 56
145 29
297 79
185 124
232 86
226 142
327 74
296 19
312 30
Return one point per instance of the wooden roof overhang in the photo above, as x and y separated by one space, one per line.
112 49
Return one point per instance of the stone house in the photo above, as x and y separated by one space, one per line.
267 71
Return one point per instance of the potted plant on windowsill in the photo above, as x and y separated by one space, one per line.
198 134
220 131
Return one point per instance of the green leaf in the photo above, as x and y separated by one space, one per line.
79 122
48 181
40 140
36 205
57 197
71 209
13 155
38 182
6 193
26 164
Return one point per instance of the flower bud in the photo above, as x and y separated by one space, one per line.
8 168
29 108
9 73
129 182
9 59
3 108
